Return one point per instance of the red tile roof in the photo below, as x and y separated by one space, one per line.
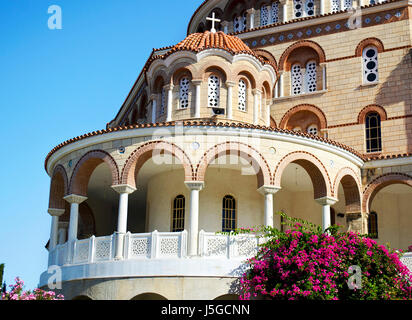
197 42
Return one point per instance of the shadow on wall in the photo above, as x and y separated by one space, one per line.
388 95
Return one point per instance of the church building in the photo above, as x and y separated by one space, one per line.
295 106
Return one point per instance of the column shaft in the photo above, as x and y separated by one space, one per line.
154 111
169 104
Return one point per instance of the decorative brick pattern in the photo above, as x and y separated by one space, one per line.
313 166
254 157
85 167
302 44
304 107
143 153
381 182
372 108
58 188
351 187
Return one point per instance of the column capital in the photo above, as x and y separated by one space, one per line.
250 11
327 201
256 92
283 2
124 188
264 190
153 97
73 198
224 23
197 82
230 84
195 185
168 87
56 212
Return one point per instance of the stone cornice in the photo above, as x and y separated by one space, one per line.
227 128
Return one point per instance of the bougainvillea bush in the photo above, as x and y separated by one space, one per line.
17 293
305 263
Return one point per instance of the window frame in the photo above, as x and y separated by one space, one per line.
178 215
229 213
368 129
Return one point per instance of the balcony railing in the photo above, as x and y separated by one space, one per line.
154 245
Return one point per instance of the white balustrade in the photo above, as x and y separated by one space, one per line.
228 246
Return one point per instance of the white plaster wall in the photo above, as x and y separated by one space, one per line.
394 219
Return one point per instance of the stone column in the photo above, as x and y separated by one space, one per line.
169 89
322 7
75 201
326 202
56 214
195 187
268 105
229 105
63 227
154 107
284 4
197 84
268 192
281 84
251 17
256 98
225 26
124 191
324 76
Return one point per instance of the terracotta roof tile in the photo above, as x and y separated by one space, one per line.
197 42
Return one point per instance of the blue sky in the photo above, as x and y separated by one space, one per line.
59 84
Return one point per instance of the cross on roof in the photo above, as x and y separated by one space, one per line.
213 19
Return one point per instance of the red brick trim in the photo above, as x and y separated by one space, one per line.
372 108
85 167
304 107
267 56
313 166
369 42
299 44
244 151
381 182
146 151
58 188
351 187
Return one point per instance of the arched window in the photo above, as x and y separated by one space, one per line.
370 65
298 8
373 225
310 8
264 15
274 14
311 77
303 8
335 5
162 102
347 4
184 93
242 90
297 79
213 94
228 214
239 23
373 132
313 129
178 214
